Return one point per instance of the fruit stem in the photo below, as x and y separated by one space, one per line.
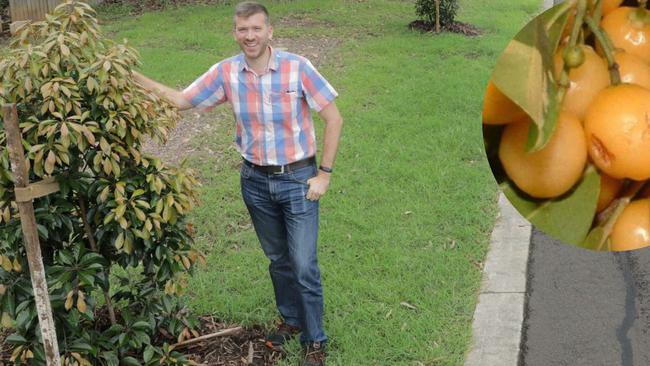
581 11
618 207
598 10
573 39
608 49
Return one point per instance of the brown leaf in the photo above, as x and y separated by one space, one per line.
68 301
89 135
64 130
407 305
65 51
49 163
81 305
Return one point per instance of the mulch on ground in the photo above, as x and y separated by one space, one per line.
456 27
245 347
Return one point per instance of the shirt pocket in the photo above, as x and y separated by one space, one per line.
282 104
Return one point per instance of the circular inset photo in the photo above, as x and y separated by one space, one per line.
566 123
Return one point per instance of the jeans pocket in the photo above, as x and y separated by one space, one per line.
299 203
302 175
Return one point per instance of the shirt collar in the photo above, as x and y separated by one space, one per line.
273 61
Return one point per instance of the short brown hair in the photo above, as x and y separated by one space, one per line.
249 8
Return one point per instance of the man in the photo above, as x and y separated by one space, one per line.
271 93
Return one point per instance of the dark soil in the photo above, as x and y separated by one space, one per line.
456 27
243 348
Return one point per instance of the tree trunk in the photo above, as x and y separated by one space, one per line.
437 16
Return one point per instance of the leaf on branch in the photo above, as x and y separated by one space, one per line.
524 73
49 163
119 241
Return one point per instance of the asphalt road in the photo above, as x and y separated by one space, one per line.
585 308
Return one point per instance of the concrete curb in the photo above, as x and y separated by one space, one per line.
499 314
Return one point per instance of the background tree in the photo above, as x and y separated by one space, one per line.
439 13
116 245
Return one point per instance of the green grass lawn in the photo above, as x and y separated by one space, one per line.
412 200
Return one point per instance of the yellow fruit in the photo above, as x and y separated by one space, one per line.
617 127
585 81
609 188
552 170
632 228
633 70
626 29
498 109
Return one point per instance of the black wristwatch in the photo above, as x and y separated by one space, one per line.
325 169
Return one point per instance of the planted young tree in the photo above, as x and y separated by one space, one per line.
83 121
439 13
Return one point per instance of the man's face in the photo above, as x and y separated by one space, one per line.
253 35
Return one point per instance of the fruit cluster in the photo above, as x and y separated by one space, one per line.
601 67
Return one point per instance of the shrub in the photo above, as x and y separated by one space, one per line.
426 9
83 121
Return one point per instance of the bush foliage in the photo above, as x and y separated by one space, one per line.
116 246
426 9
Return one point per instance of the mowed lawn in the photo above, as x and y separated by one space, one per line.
412 201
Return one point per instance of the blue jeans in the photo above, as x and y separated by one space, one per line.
286 224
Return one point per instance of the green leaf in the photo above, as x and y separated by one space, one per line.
141 337
148 353
137 192
91 258
16 339
130 361
111 358
119 242
86 278
66 257
119 211
524 73
81 346
42 231
109 218
567 218
141 325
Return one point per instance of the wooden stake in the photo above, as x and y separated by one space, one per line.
30 237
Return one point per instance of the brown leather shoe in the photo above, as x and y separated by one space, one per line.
314 354
280 335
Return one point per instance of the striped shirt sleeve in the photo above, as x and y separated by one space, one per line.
208 90
316 90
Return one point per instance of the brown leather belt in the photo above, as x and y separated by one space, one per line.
281 169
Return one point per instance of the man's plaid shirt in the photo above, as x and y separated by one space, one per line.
274 124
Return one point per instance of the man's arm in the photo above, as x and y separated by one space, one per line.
172 95
333 125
